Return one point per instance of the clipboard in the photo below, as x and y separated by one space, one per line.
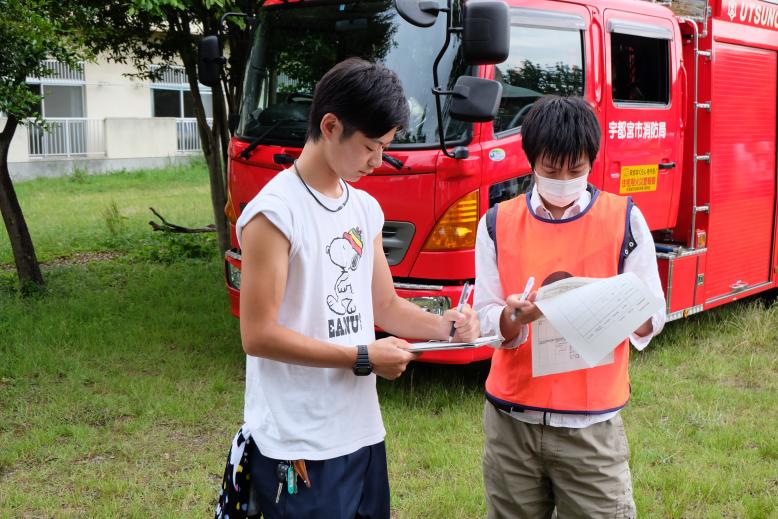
418 347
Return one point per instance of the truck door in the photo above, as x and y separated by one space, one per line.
643 133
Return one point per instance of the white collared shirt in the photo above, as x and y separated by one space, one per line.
489 299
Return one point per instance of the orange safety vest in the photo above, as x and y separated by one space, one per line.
593 244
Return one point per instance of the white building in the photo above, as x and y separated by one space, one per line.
100 120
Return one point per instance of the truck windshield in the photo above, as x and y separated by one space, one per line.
296 44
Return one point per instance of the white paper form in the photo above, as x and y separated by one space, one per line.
551 353
597 315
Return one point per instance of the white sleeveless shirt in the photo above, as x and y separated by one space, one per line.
301 412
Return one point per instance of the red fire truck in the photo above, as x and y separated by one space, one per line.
687 106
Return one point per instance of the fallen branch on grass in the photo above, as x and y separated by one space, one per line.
171 227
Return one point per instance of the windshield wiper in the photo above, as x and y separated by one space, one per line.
261 137
395 163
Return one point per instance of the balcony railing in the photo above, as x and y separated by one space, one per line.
188 135
82 137
60 73
67 137
173 75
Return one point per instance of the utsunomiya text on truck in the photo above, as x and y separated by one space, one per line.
687 106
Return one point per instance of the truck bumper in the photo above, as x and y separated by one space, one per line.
431 296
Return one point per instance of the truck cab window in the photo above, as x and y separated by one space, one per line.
640 69
509 189
541 61
297 42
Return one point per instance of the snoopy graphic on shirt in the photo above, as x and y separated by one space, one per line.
345 252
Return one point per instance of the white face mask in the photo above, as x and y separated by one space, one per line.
561 193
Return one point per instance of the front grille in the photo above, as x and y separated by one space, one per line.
397 238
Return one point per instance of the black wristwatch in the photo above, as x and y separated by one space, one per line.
362 366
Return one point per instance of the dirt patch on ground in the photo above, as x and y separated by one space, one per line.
66 261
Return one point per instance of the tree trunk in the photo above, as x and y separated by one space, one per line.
211 150
224 135
221 130
218 192
27 266
211 144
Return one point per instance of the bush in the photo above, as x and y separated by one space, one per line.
79 176
169 247
114 220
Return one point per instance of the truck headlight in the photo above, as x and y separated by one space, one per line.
433 304
233 276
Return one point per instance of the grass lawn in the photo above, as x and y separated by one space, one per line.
122 385
84 213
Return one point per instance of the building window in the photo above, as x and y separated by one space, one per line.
62 101
167 103
179 103
36 89
640 69
172 97
62 91
67 131
189 104
541 61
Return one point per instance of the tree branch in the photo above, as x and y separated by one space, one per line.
171 227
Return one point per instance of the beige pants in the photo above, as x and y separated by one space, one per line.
529 469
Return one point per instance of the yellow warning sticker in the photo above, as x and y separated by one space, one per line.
637 179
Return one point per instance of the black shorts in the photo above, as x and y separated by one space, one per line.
347 487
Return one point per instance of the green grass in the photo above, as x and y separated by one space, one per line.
122 384
702 423
84 213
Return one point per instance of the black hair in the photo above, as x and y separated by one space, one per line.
561 129
365 96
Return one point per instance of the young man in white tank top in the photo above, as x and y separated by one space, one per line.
314 283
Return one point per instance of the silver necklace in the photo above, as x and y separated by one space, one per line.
345 186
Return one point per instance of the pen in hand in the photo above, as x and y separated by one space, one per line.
462 300
524 295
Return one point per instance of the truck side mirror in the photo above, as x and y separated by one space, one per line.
475 100
485 32
210 61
